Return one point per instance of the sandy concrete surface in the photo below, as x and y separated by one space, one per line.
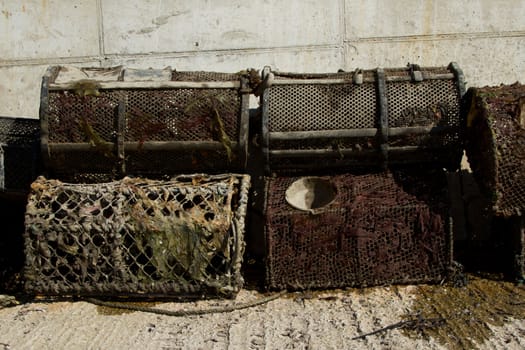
309 320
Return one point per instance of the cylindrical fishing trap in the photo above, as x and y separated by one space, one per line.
362 118
357 230
136 237
150 122
496 145
19 155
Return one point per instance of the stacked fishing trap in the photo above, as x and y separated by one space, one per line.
136 236
496 151
142 122
345 205
376 228
115 216
144 192
362 118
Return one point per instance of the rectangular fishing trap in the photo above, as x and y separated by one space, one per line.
117 121
361 119
136 237
357 230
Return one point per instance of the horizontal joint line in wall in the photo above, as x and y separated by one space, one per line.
249 50
48 61
164 55
430 37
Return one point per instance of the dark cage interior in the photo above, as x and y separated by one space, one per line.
136 236
19 155
379 229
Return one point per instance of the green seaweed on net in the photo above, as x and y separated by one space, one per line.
253 76
95 140
86 88
210 105
179 242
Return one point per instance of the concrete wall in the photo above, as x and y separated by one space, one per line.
486 37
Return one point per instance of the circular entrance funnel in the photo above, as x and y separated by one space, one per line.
310 194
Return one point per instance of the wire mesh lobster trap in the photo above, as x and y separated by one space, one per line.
120 121
19 156
136 237
362 118
357 230
496 145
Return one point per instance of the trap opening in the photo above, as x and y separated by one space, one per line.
310 194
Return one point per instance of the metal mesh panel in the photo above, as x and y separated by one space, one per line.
428 103
15 131
19 145
496 145
386 116
136 236
70 116
380 229
181 114
321 107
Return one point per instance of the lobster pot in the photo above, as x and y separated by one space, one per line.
362 118
19 161
101 123
136 237
496 145
356 230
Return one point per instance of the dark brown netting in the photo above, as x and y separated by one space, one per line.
380 229
496 145
136 237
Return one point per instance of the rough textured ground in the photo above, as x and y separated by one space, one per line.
484 314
